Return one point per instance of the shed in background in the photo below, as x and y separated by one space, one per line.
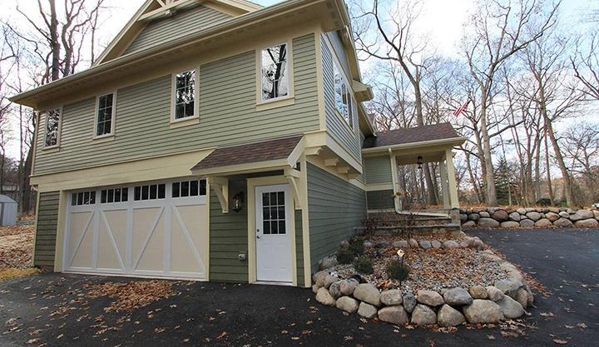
8 210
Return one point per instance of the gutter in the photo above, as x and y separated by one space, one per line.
449 141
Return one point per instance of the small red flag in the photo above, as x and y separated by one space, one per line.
461 109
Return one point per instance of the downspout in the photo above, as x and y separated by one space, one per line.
393 163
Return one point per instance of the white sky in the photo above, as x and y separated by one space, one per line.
441 19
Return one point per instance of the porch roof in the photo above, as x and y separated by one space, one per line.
257 156
426 133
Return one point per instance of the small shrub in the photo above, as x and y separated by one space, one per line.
345 256
398 270
356 246
363 265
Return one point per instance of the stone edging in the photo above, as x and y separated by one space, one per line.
495 217
507 299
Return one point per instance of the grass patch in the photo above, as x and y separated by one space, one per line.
12 273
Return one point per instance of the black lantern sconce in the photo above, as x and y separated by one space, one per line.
238 202
419 162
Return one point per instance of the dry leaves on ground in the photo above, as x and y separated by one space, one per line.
131 295
16 246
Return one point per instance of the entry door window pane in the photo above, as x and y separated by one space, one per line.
273 213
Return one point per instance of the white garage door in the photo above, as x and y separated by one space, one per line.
155 229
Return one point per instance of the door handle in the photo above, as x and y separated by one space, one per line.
257 236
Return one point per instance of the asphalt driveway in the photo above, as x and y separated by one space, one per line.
52 309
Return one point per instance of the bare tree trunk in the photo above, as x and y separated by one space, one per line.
548 168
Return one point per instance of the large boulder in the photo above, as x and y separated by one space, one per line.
449 317
457 297
586 223
391 297
551 216
521 210
319 278
425 244
483 311
515 216
484 214
522 297
474 217
510 224
429 297
335 289
423 315
451 244
581 214
330 279
478 292
393 314
564 214
347 287
500 215
324 297
469 224
494 293
368 293
401 244
436 244
413 243
510 308
347 304
526 223
328 262
409 302
367 310
543 223
508 286
563 223
533 215
488 223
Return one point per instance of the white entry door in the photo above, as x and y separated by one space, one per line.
273 234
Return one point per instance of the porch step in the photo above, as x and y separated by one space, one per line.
412 223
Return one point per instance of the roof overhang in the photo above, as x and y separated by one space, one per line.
415 147
330 14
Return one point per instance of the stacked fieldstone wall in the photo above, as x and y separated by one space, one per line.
546 217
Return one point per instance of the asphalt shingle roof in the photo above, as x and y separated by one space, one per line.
424 133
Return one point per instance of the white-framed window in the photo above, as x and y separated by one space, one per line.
149 192
184 94
274 72
343 97
114 195
83 198
52 128
184 189
105 114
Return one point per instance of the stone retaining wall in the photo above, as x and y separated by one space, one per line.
547 217
507 299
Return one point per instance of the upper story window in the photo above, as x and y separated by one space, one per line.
274 81
184 94
343 99
53 121
105 115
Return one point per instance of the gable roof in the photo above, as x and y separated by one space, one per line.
155 9
426 133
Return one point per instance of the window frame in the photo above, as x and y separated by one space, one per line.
196 94
45 128
281 100
349 120
113 115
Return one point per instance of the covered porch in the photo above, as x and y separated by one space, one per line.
386 153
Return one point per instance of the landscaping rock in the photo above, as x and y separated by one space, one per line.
581 214
409 302
586 223
488 223
483 311
344 244
450 317
315 288
393 314
347 287
494 293
551 216
457 297
478 292
474 217
401 244
423 315
563 223
484 214
335 289
515 216
324 297
463 217
328 262
368 244
436 244
596 213
543 223
521 211
367 310
564 214
508 286
429 297
368 293
510 224
391 297
330 279
478 244
522 297
425 244
319 278
450 244
347 304
501 216
469 224
510 308
527 223
533 215
531 297
413 243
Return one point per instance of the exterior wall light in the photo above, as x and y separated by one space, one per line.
238 202
419 162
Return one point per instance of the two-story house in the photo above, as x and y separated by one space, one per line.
212 140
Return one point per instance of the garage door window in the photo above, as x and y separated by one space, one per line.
109 196
191 188
149 192
83 198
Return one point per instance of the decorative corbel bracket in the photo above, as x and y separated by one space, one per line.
220 185
293 177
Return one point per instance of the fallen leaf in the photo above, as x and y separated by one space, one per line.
223 334
560 342
582 325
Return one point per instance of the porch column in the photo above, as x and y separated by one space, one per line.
394 179
444 187
453 187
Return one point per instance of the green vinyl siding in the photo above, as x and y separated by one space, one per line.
348 137
228 238
227 115
299 248
378 170
166 29
335 208
380 199
45 229
335 41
